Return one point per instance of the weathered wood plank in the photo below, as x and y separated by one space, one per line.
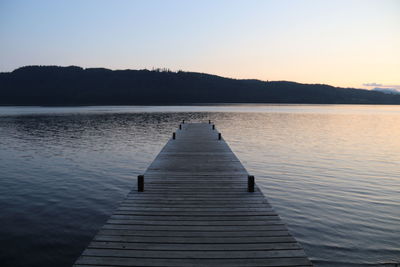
194 207
206 254
198 247
184 214
275 221
194 200
196 228
120 261
194 240
204 234
192 210
214 218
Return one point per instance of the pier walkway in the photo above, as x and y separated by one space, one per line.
195 210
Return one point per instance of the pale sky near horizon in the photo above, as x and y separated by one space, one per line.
343 43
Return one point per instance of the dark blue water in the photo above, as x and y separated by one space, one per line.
331 172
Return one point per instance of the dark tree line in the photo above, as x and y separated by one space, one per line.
52 85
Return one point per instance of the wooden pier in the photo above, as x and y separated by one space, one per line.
196 209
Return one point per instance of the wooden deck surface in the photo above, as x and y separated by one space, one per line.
195 211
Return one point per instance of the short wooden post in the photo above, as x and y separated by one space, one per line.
213 127
219 136
250 183
173 135
140 183
209 121
183 121
180 126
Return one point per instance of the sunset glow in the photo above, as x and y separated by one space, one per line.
342 43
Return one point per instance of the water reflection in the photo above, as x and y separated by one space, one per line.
331 172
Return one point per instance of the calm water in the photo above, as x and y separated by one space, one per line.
331 172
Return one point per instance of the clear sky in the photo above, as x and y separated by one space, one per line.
345 43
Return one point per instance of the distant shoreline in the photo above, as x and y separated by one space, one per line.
75 86
198 105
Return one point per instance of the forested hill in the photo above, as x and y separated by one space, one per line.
51 85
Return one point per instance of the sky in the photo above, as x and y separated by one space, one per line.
351 43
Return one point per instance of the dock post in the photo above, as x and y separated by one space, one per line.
180 126
140 183
213 127
209 121
219 136
183 121
174 135
250 183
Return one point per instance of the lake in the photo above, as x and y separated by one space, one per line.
332 172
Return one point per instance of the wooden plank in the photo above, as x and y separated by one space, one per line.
196 228
94 265
198 205
198 193
120 261
194 240
214 218
196 223
198 247
195 200
204 234
206 254
191 214
195 211
200 214
192 210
